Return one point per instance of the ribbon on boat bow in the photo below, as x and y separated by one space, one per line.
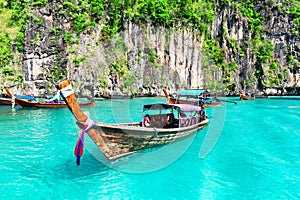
85 127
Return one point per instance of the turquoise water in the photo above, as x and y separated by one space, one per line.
249 151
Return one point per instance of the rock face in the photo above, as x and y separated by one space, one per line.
159 57
44 48
177 56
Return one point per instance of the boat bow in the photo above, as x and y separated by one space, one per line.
82 118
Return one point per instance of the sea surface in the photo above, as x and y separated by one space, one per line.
250 150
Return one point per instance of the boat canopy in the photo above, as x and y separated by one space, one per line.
192 92
24 97
159 106
181 107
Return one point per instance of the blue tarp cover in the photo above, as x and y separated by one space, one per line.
24 97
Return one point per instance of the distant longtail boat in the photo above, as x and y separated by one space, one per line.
245 97
33 103
200 97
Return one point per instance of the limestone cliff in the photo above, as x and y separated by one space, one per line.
173 57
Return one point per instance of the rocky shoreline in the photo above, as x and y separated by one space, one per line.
142 92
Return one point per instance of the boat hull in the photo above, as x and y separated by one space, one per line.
124 139
5 101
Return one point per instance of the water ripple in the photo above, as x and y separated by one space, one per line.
255 157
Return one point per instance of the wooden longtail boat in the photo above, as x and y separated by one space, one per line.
161 124
35 104
8 101
200 97
245 97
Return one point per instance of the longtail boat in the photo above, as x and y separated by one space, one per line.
33 103
161 124
200 97
245 97
8 101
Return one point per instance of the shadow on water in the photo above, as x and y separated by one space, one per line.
88 167
66 170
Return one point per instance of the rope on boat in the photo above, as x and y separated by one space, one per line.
85 127
67 91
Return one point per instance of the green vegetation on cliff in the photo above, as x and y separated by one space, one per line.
14 15
197 16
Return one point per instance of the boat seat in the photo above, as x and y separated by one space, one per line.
158 121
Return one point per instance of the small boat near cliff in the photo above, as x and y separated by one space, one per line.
161 124
33 103
200 97
245 97
8 101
